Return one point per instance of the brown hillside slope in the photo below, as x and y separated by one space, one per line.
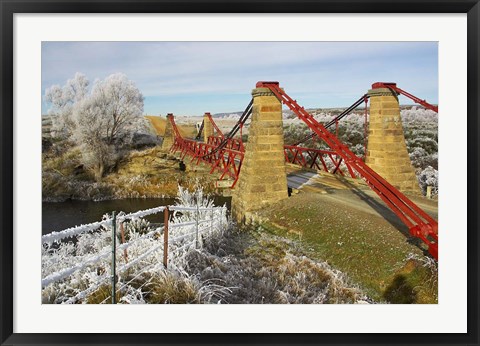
159 123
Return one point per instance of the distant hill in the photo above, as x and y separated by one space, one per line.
288 114
228 115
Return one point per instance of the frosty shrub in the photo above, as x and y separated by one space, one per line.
429 177
421 136
256 267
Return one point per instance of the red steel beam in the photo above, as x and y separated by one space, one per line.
174 126
393 86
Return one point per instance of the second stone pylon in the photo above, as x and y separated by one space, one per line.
386 150
169 136
207 127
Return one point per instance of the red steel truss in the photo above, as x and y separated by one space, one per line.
393 86
226 160
420 224
209 116
325 160
232 143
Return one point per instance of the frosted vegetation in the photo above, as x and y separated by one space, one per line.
100 120
78 270
421 136
228 266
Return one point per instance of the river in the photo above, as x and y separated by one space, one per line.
59 216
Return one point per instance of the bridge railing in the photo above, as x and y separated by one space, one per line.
66 262
232 143
324 160
227 161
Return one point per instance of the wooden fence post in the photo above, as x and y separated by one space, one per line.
165 237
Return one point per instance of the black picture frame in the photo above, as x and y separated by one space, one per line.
9 7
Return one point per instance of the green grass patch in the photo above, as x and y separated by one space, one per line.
368 249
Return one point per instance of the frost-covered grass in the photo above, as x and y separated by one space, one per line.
415 280
258 267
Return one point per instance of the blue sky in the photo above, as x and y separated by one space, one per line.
190 78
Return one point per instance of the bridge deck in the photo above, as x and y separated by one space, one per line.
318 181
352 192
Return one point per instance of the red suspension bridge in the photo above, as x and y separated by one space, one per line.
225 155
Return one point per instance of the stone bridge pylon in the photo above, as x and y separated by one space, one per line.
263 179
169 136
207 127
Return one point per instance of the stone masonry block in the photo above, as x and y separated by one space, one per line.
271 108
269 116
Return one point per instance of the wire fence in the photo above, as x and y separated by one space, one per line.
81 267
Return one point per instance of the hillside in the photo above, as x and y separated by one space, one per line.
147 173
158 123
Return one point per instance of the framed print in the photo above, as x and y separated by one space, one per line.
239 173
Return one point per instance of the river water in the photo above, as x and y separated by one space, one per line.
59 216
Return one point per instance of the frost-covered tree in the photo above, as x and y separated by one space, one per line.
119 103
62 100
89 134
97 120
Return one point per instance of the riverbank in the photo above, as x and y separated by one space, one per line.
148 173
59 216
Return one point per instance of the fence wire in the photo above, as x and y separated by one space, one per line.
176 244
